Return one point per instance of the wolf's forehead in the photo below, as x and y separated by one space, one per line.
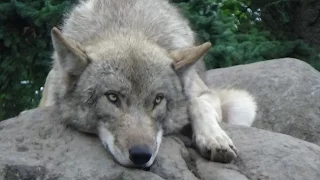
134 80
130 73
134 61
137 72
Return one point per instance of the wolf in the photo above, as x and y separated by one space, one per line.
126 70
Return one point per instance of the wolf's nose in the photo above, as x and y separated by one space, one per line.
140 154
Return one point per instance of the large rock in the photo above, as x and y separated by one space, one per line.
36 146
287 91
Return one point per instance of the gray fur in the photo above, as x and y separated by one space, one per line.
157 20
125 48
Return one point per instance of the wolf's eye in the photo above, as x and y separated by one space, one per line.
112 97
158 99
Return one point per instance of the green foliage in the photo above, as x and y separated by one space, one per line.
25 51
25 45
236 33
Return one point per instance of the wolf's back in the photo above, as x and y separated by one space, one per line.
157 20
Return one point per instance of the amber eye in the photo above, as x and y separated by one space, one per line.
158 99
112 97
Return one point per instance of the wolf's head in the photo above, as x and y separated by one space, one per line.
125 90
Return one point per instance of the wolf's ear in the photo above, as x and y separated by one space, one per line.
71 58
184 58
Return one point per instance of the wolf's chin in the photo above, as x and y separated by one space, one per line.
107 140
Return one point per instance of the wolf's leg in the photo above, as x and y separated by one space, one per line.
205 113
205 107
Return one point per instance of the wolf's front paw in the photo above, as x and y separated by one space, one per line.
216 146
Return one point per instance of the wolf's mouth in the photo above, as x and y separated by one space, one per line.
138 156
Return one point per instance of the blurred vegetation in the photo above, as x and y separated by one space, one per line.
25 51
238 35
235 29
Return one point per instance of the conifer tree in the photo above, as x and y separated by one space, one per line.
25 50
237 35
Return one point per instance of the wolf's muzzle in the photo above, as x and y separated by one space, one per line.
140 154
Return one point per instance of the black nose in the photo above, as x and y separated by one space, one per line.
140 154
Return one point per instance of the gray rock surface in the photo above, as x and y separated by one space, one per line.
36 146
287 91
